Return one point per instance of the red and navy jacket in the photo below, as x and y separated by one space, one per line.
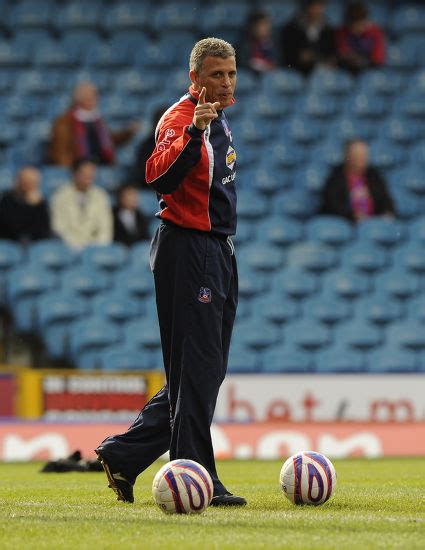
193 170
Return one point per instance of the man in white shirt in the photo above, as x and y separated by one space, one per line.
80 211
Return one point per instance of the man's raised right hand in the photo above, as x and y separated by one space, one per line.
204 112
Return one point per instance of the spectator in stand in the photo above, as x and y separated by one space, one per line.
130 224
81 131
360 42
308 40
81 214
24 214
256 49
355 190
145 151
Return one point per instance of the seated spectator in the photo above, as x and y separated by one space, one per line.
81 214
24 214
360 42
144 151
81 131
256 49
308 40
130 224
355 190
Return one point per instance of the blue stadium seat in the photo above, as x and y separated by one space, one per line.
416 309
123 358
301 130
285 82
296 204
287 359
381 82
413 179
143 333
92 335
76 15
364 256
295 283
385 154
348 127
264 179
330 151
400 130
130 81
102 78
13 55
391 360
30 14
34 82
398 283
400 57
263 257
107 258
417 230
247 334
319 107
368 106
53 177
411 257
330 81
346 283
11 255
171 16
51 254
327 309
251 130
85 280
311 177
75 42
262 106
126 16
54 54
107 56
330 230
307 334
281 230
381 231
358 335
251 205
250 286
378 309
22 108
339 359
243 361
408 19
117 306
135 281
410 104
277 309
118 106
245 233
312 256
407 334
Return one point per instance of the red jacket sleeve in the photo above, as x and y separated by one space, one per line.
178 149
377 55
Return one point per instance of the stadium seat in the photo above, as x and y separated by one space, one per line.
285 82
407 334
248 335
330 152
376 82
276 309
398 283
411 257
319 107
128 15
327 309
400 57
368 106
107 56
287 359
311 177
296 204
250 286
123 358
281 230
262 106
245 233
330 230
13 56
416 309
30 14
401 131
85 280
417 230
312 256
76 16
117 306
172 16
262 257
306 334
364 256
408 19
346 283
295 283
92 334
413 179
105 258
264 180
381 231
359 335
389 360
385 154
11 255
348 127
340 360
51 254
243 361
137 282
251 206
325 81
378 309
301 130
142 333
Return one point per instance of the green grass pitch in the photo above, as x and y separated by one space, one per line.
378 504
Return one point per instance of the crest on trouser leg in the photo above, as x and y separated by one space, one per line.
204 295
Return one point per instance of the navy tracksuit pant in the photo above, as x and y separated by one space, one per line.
196 291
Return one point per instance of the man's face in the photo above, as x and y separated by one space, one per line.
316 12
84 177
28 180
357 157
86 97
129 198
218 75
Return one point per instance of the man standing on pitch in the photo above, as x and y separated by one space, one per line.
192 168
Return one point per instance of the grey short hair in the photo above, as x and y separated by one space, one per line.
214 47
